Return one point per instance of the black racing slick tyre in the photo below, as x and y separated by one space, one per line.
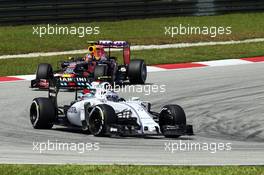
44 71
100 71
42 113
137 71
101 116
172 115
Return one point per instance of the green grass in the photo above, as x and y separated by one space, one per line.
22 66
19 39
128 170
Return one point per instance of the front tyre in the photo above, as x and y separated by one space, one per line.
137 71
101 116
42 113
172 115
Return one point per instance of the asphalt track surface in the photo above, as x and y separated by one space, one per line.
224 104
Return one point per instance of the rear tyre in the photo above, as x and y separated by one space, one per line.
42 113
44 71
102 116
137 71
172 115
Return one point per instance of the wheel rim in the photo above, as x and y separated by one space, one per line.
34 113
165 119
96 122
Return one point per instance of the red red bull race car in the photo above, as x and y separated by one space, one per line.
98 64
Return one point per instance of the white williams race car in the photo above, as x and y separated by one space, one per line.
102 113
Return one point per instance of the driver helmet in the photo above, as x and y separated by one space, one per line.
111 96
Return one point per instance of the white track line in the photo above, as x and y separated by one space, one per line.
227 62
139 47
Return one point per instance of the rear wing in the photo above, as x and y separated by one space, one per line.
73 82
110 44
76 83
